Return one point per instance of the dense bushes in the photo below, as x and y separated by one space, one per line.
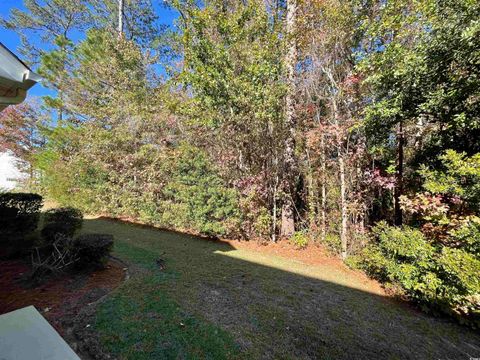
176 187
440 278
69 216
60 251
198 196
64 253
64 221
437 264
92 249
19 215
84 251
468 237
189 194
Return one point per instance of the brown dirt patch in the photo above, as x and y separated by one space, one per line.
59 299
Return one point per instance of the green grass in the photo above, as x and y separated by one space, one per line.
216 302
141 321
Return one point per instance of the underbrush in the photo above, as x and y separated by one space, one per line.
440 279
179 189
300 239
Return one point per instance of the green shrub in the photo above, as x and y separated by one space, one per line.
332 242
67 215
263 223
460 268
61 221
19 215
202 200
93 249
51 231
174 215
468 237
461 284
372 261
437 277
299 239
403 244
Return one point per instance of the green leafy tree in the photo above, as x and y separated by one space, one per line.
208 205
421 65
140 21
48 20
457 179
232 65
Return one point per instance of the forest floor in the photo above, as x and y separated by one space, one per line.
229 299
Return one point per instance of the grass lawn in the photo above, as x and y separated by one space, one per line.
217 302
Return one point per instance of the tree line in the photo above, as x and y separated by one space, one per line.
311 120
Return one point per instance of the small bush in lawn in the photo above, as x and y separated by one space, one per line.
93 249
299 239
262 223
19 214
63 221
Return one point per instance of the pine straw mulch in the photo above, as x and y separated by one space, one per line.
60 299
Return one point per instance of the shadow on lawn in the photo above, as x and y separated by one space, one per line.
273 308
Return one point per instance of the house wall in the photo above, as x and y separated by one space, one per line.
8 171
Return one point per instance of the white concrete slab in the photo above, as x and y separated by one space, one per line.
26 335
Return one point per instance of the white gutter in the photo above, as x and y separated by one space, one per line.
16 78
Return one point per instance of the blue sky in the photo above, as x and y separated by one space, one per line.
12 40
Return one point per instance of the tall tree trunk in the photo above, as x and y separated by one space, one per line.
311 193
274 213
341 168
324 187
343 205
288 207
398 191
120 17
362 210
418 134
